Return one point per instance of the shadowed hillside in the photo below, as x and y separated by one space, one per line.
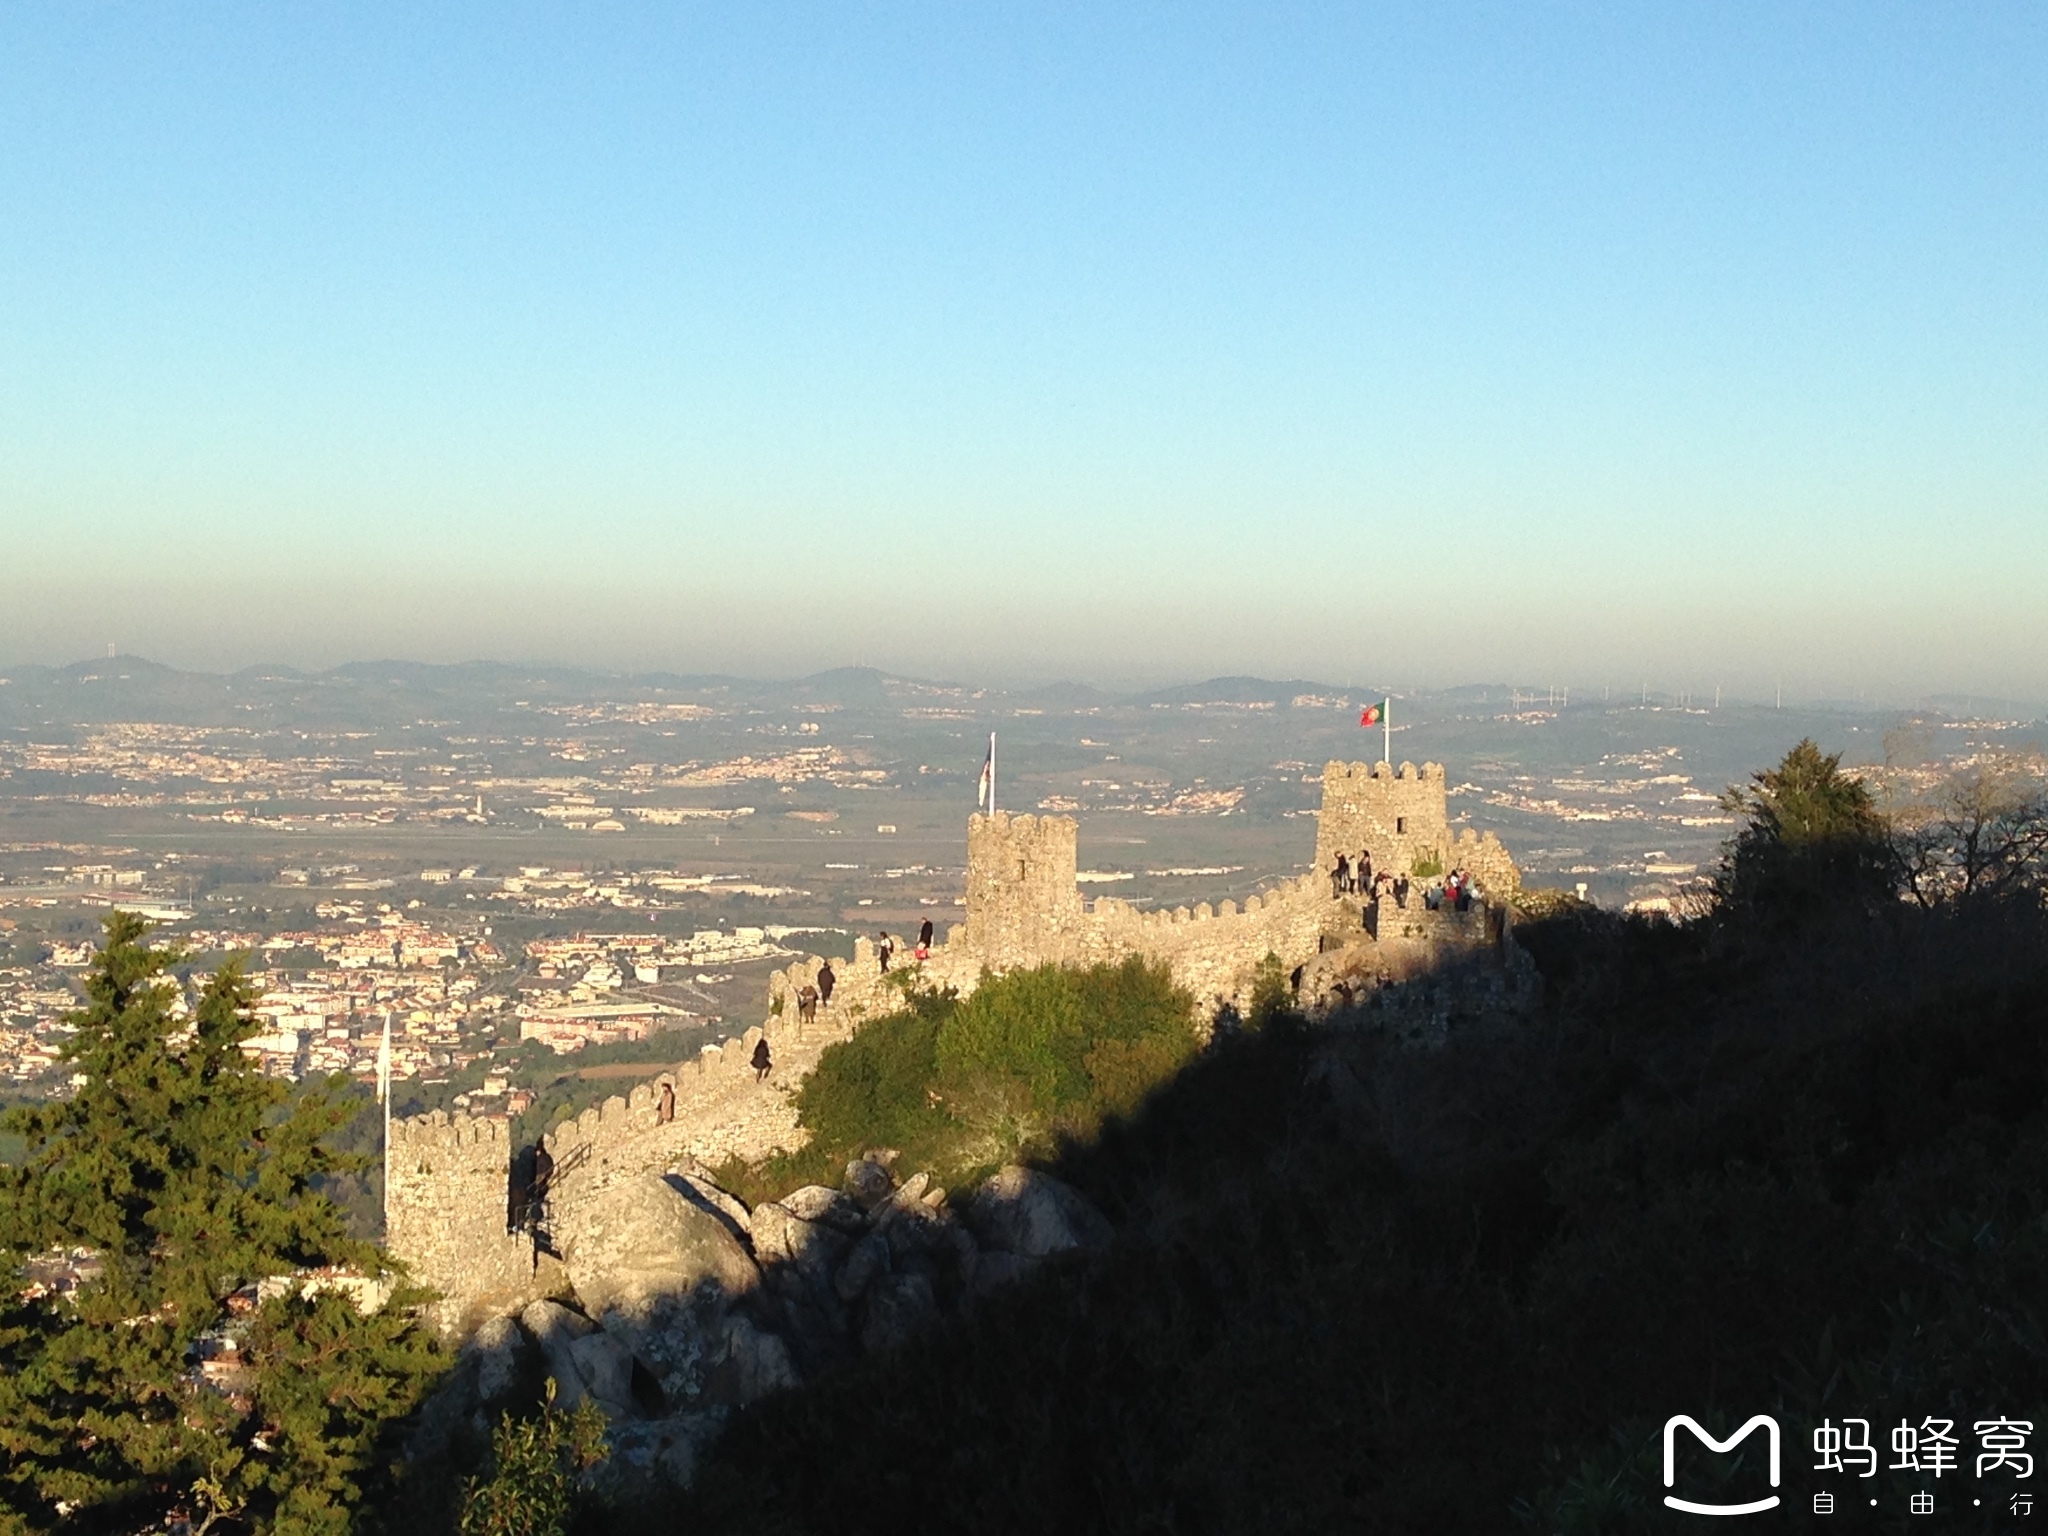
1730 1169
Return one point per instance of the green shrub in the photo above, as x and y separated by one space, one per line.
958 1085
874 1089
535 1463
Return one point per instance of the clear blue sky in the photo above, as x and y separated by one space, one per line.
1680 342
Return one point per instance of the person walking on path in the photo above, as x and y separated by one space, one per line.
667 1112
884 949
806 1004
1340 876
826 981
762 1061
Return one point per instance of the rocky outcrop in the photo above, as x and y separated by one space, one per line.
648 1240
686 1305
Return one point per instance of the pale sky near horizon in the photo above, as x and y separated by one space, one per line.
1684 343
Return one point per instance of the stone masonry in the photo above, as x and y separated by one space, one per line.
446 1208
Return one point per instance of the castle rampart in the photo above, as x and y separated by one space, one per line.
451 1179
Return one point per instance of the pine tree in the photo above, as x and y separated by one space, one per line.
188 1175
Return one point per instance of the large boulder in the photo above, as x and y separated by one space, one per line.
1032 1214
828 1207
606 1366
699 1190
783 1237
495 1350
643 1242
753 1363
556 1328
868 1181
676 1339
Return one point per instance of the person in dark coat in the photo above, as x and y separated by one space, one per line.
1340 876
826 981
884 950
762 1062
667 1112
924 934
518 1191
543 1172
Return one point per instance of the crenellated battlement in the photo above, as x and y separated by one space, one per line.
1335 769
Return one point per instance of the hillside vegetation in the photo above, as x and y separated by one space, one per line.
1032 1059
1789 1157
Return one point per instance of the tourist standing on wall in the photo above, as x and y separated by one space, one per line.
762 1061
826 981
884 949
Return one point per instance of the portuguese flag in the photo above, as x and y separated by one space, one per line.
1373 714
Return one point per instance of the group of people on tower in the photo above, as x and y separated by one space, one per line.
1349 879
1360 879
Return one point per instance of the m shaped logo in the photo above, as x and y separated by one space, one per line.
1763 1420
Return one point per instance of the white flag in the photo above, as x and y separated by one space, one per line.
988 776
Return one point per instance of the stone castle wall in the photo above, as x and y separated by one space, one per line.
446 1208
446 1213
1024 908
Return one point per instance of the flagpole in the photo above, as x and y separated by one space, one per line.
1387 725
384 1094
991 775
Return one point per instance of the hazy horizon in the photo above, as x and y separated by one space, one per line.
1534 691
1671 347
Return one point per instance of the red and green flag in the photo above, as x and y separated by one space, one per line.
1374 714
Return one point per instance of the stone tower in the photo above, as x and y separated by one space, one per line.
1023 905
445 1216
1401 817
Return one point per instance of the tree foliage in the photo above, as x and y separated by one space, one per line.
1983 835
530 1487
1811 837
186 1176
